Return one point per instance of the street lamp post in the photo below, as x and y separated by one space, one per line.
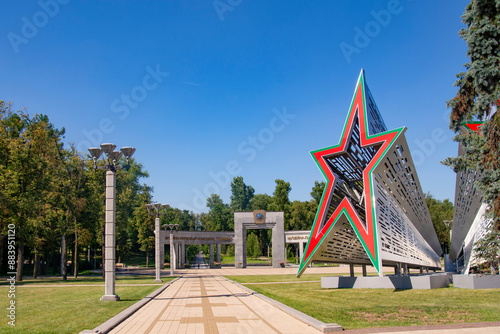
172 256
111 167
157 207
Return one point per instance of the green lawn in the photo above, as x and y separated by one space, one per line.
275 278
68 309
366 308
226 259
139 259
146 279
283 278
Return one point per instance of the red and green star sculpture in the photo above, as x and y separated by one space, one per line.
366 231
473 126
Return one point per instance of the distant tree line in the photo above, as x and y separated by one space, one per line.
55 200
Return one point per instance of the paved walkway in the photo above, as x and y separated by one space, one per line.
203 302
209 304
260 270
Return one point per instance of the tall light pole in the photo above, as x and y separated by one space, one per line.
172 256
110 166
157 207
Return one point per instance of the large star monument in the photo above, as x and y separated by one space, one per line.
372 210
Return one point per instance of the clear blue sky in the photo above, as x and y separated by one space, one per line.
196 86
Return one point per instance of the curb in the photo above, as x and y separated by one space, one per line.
107 326
313 322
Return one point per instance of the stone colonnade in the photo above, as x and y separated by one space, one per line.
242 222
186 238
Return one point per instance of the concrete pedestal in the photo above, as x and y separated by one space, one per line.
386 282
476 281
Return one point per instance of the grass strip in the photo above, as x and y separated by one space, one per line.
368 308
149 279
69 309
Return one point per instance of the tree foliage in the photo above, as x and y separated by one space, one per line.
488 248
478 97
317 191
143 222
241 195
53 196
441 214
260 202
253 245
29 166
220 215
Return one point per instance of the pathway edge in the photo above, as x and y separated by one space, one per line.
111 323
313 322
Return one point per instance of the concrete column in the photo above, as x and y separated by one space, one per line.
162 254
397 269
177 256
218 253
172 256
405 269
240 245
278 240
109 238
301 250
421 270
157 249
351 269
364 270
211 257
183 254
175 251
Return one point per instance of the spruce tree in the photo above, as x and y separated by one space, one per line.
478 99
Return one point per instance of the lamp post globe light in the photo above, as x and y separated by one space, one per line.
172 255
111 166
158 212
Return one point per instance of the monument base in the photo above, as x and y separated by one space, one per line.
113 298
386 282
476 282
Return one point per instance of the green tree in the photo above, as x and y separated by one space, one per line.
488 249
440 212
68 199
52 195
317 191
280 200
253 245
241 195
201 222
144 223
185 219
29 165
301 215
478 97
220 215
260 202
127 199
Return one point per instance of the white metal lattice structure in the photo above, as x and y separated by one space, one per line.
373 209
469 221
